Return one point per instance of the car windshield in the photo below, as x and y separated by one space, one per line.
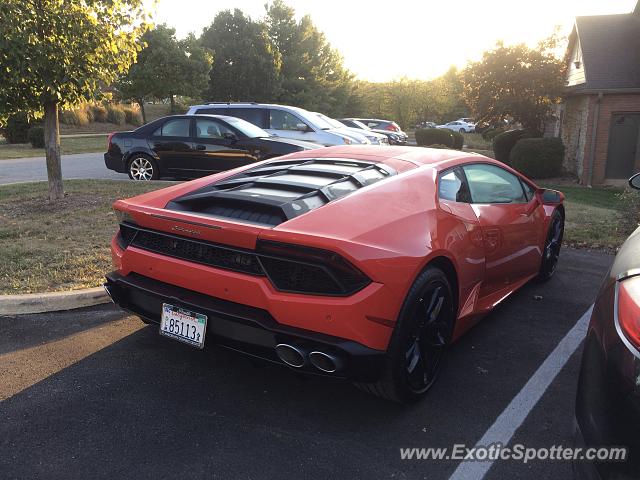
361 125
314 119
330 122
248 129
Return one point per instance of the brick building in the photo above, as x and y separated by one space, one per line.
600 115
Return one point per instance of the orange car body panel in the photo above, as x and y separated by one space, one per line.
390 230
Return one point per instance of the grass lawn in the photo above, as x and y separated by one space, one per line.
59 246
595 217
475 142
97 143
65 245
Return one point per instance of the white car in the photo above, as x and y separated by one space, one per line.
371 137
283 121
459 126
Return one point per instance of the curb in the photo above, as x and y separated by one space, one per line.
52 302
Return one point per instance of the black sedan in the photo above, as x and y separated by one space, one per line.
608 400
191 146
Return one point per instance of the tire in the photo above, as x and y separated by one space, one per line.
142 167
462 130
428 311
552 245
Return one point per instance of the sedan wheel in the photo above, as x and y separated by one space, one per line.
420 339
462 130
551 252
143 168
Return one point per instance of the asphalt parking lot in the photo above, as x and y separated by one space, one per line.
94 393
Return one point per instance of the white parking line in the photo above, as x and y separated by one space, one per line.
517 411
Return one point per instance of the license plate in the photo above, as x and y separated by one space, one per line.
183 325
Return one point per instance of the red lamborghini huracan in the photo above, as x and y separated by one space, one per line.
356 262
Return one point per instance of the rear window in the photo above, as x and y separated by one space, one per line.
257 116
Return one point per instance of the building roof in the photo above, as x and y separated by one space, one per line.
610 51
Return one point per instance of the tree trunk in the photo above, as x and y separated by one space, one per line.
144 114
173 103
52 149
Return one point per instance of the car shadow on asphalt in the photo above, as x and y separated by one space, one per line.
24 331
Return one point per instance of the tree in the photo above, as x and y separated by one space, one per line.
57 53
165 67
312 74
246 64
517 82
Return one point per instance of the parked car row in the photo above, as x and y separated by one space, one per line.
215 137
390 129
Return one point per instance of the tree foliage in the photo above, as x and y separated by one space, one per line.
312 73
59 53
410 101
246 66
515 82
166 67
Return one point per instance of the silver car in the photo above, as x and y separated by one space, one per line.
283 121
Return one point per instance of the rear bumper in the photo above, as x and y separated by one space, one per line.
114 162
243 328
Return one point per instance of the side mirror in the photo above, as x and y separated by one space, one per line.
550 197
230 136
634 182
302 127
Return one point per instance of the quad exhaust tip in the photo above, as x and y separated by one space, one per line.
325 362
291 355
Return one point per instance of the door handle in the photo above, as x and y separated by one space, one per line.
201 147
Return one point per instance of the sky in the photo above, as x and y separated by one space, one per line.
384 40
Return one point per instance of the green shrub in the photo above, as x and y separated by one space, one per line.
458 140
36 136
99 113
115 114
77 117
133 116
179 108
431 136
538 157
504 142
17 128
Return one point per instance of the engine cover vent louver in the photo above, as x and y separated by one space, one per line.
279 191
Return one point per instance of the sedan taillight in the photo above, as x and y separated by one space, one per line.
628 310
109 140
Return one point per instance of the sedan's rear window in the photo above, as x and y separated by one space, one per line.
178 127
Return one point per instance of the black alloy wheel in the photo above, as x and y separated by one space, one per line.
551 252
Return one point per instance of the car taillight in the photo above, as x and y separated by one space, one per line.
294 268
628 310
125 233
109 140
